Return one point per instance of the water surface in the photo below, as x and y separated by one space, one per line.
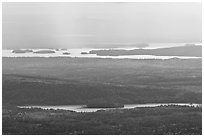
82 108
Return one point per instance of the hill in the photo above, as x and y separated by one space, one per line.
191 50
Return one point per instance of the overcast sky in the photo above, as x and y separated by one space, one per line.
69 25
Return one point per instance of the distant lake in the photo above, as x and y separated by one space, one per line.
77 53
81 108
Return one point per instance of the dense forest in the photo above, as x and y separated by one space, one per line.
62 81
164 120
65 81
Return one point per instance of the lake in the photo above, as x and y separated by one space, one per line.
81 108
77 53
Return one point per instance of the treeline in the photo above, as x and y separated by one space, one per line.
171 120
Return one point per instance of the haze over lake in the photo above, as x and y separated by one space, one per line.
77 52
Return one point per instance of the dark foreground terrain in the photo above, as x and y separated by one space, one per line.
71 81
164 120
63 81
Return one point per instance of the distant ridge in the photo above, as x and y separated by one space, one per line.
188 50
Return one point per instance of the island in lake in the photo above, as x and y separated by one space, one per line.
44 51
66 53
84 53
22 51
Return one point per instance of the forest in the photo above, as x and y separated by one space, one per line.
72 81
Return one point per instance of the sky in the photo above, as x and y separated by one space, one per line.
97 25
